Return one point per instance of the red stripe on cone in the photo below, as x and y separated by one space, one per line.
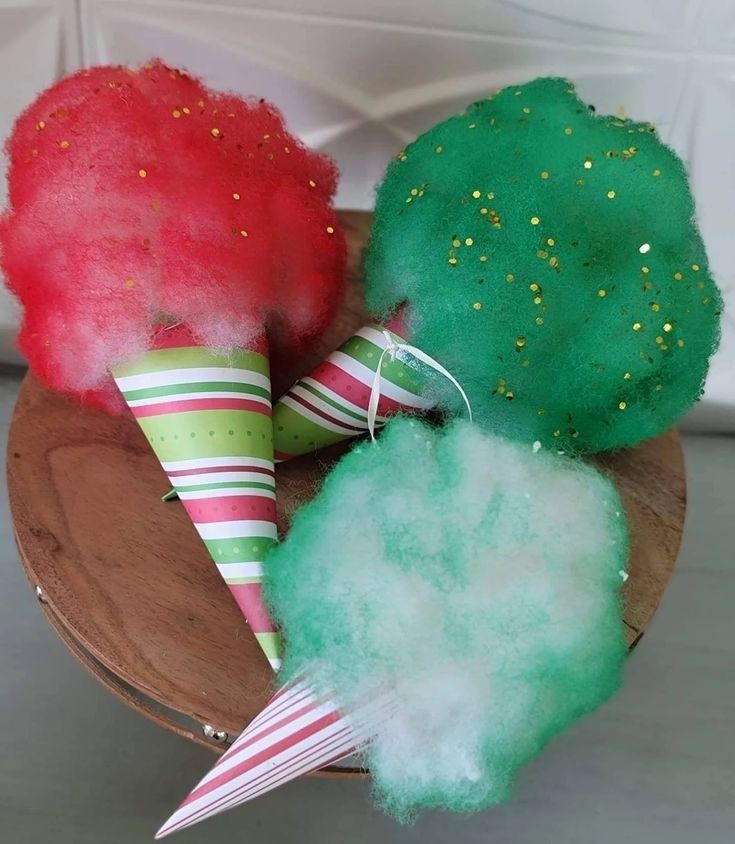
350 388
192 405
249 597
228 508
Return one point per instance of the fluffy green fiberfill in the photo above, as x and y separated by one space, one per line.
475 578
551 260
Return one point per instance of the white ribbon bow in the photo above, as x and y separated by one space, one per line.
392 348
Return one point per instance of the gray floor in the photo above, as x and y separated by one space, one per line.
657 764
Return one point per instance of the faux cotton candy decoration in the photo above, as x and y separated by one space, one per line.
474 578
139 197
165 233
550 259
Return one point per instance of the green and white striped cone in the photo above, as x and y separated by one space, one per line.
331 403
207 417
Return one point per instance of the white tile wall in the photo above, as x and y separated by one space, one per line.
361 79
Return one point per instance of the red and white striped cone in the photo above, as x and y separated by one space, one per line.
296 734
332 403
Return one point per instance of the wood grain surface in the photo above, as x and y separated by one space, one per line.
131 590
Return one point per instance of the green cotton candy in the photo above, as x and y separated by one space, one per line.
476 579
550 259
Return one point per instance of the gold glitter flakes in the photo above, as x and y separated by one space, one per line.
439 150
644 247
656 172
550 241
637 326
236 196
668 327
705 301
629 153
655 307
401 155
535 221
678 276
142 173
543 254
64 144
520 342
645 270
568 130
40 125
176 113
129 282
186 110
476 194
510 277
539 320
243 233
544 174
659 339
468 241
526 110
588 163
456 243
602 293
680 344
695 267
553 261
477 306
312 183
483 258
453 260
214 132
483 210
534 287
579 182
472 126
622 405
611 194
536 300
627 376
330 230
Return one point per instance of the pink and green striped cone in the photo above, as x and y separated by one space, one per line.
296 734
331 403
207 417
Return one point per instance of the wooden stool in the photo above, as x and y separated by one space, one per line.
126 583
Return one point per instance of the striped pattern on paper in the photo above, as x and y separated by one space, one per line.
331 403
296 734
207 416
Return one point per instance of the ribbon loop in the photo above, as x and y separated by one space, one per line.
392 348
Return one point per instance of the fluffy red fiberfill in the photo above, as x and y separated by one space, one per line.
141 197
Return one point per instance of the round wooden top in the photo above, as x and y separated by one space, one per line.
128 585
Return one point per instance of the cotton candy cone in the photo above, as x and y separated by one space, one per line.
296 734
331 403
207 417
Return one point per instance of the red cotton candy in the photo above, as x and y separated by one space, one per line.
142 197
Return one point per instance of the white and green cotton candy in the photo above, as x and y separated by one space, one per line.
476 579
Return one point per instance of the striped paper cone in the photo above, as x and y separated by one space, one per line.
331 404
296 734
207 417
